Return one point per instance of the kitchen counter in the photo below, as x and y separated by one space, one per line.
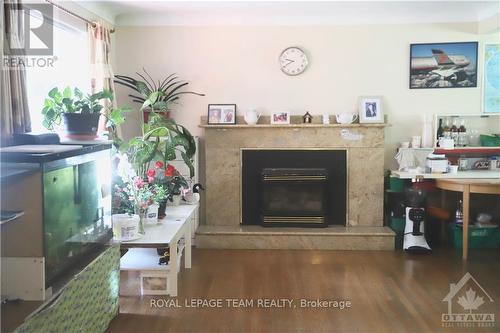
470 174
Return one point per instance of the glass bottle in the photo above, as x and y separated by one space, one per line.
440 131
454 131
462 134
459 214
446 129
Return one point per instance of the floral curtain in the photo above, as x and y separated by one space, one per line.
14 112
100 63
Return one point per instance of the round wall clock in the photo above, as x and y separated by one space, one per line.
293 61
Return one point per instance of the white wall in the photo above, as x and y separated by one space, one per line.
240 65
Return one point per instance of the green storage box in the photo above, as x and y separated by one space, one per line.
396 184
479 238
397 225
490 140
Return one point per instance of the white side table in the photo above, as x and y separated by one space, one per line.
177 225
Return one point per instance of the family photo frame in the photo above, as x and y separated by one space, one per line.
221 114
370 110
280 118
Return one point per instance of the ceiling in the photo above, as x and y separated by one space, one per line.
144 13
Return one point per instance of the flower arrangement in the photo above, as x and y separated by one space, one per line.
135 194
167 176
144 175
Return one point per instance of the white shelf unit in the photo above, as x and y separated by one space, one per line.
173 231
153 276
183 169
483 123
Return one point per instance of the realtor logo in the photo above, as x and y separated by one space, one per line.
29 29
465 299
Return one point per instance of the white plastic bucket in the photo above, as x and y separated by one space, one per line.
125 227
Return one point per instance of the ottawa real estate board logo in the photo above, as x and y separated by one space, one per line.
467 305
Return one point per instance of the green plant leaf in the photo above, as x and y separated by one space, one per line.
145 104
161 106
52 93
67 93
78 93
96 108
142 88
104 94
189 163
169 154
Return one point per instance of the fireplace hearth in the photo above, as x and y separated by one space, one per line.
294 188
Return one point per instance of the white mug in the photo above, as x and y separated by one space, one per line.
326 119
415 141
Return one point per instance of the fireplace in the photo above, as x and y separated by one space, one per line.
294 188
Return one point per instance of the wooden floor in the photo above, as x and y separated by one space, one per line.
389 292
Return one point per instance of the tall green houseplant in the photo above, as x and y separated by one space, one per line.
161 140
166 91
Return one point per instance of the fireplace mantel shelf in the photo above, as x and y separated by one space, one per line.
291 126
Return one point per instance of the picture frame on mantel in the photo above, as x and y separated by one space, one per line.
370 110
221 114
280 118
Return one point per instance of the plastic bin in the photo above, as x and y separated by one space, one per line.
396 184
397 225
489 140
479 238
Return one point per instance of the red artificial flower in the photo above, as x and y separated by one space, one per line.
151 173
169 171
159 164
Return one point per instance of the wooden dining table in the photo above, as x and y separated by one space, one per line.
467 187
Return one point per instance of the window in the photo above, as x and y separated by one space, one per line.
71 68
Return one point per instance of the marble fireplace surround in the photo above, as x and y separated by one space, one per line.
365 162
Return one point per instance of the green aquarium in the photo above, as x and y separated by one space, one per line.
75 218
76 194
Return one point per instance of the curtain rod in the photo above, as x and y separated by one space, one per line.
67 11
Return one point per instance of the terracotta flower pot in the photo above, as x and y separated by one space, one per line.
146 113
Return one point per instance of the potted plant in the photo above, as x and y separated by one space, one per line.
163 92
161 141
175 187
80 113
170 178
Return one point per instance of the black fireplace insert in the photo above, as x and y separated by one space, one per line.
294 197
294 188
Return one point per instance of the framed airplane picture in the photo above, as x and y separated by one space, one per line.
443 65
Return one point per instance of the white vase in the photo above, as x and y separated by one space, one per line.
125 226
176 200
